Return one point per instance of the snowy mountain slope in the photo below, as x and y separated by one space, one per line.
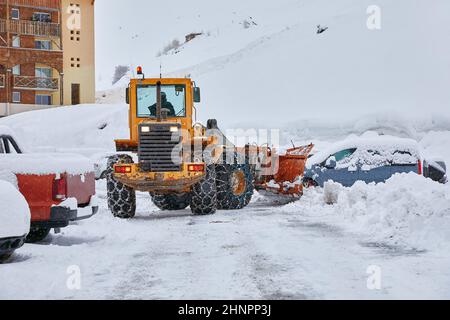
282 66
221 22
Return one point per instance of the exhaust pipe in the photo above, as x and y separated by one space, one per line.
158 101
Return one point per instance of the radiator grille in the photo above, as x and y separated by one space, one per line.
159 149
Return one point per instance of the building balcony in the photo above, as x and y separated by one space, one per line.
36 83
31 28
2 81
43 4
35 28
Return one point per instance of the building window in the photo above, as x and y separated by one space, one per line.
15 14
78 33
16 70
73 64
16 41
16 97
42 17
43 44
43 99
75 8
43 72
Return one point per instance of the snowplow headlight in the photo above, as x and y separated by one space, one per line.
145 129
174 129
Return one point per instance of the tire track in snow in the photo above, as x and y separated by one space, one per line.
193 259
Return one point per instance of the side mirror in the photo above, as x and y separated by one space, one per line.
127 95
331 163
197 96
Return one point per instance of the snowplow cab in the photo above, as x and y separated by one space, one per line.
158 101
161 122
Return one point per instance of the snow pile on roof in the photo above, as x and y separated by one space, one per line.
407 210
386 147
86 127
4 130
14 212
45 163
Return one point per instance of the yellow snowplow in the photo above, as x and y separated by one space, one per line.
178 163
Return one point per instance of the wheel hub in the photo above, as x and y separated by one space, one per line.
238 182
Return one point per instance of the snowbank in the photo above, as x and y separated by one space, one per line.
45 163
14 212
8 176
407 210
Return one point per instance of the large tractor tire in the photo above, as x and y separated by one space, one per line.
171 202
204 194
121 198
37 234
234 186
309 183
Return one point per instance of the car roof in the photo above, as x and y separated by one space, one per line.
368 142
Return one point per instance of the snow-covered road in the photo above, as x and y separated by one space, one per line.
262 252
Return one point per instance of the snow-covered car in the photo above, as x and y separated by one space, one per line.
100 169
59 188
14 220
370 159
100 164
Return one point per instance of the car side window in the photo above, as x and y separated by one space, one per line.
344 154
9 145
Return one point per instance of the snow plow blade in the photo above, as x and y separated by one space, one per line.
285 178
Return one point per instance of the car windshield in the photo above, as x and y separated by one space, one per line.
173 98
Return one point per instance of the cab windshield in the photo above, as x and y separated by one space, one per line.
173 98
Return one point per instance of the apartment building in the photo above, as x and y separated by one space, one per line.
47 54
